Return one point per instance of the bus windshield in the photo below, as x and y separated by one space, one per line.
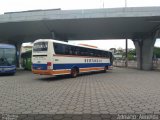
40 46
7 56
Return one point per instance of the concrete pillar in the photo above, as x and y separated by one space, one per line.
18 49
144 51
138 47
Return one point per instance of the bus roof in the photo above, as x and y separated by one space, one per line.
6 46
57 41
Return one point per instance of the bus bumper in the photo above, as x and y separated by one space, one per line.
42 72
7 70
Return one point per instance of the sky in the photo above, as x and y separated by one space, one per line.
23 5
106 44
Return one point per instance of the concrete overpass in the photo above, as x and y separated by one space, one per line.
139 24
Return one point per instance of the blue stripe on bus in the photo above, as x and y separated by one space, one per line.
3 70
39 66
13 66
69 66
79 65
8 71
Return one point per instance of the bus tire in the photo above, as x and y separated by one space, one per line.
74 72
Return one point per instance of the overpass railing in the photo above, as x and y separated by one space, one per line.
122 63
156 64
133 64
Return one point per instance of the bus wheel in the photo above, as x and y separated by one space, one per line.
74 73
105 69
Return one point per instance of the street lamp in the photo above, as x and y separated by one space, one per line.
125 3
103 3
126 61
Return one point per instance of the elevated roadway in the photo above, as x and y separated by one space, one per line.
139 24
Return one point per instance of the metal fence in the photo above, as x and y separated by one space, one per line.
156 64
133 64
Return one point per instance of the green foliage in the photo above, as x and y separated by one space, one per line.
131 57
132 53
156 52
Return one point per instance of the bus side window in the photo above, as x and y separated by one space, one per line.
104 55
107 54
96 53
66 50
63 49
59 48
77 51
91 53
82 51
72 51
55 48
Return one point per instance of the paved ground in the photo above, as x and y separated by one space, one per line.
118 91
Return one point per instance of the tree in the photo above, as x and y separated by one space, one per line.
113 50
156 52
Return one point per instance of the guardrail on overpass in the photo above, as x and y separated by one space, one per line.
133 64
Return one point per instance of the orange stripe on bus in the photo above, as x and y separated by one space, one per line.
51 72
61 72
90 69
42 72
88 45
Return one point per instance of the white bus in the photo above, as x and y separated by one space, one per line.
52 57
